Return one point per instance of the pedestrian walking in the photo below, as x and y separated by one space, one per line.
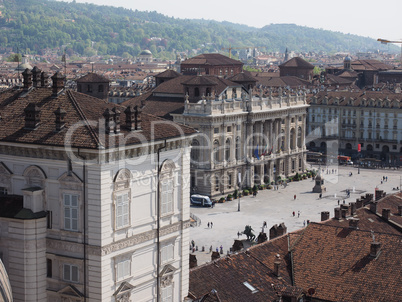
304 223
338 202
320 195
208 225
294 197
192 243
293 213
211 224
298 214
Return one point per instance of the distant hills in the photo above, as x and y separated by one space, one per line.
88 29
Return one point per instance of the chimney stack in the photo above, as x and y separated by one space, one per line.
58 83
116 120
32 116
137 118
373 207
386 214
27 75
375 248
337 213
130 118
109 120
60 115
277 265
36 77
44 79
324 215
400 210
353 223
352 208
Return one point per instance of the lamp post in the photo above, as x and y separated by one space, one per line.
385 41
239 186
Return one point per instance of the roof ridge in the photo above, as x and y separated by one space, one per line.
83 117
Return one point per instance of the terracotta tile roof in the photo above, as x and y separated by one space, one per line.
336 262
93 78
170 73
363 65
199 80
297 62
79 108
242 77
290 81
255 266
210 59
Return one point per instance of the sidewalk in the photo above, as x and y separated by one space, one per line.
277 206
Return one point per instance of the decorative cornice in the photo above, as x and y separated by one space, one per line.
74 247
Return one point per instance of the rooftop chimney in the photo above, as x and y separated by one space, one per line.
116 127
32 116
27 75
373 207
400 210
60 114
44 79
109 120
386 214
137 118
36 79
58 83
277 265
130 118
324 215
337 213
375 248
353 223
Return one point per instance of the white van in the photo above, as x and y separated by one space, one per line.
200 200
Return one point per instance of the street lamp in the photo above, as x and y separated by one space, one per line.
385 41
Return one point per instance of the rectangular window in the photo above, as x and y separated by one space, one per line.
122 210
216 130
167 253
238 127
49 219
123 269
167 196
49 268
229 129
167 294
3 191
70 273
70 212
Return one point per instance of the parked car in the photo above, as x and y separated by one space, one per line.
200 200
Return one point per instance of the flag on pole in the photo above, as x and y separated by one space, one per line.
265 150
359 147
256 153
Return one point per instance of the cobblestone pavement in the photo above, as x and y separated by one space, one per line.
277 206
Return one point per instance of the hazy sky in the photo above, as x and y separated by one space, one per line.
369 18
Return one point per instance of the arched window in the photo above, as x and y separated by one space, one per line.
216 152
238 148
227 150
196 91
292 138
195 151
100 88
299 137
166 187
208 91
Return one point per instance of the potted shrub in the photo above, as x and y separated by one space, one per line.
229 197
269 187
261 187
246 192
222 200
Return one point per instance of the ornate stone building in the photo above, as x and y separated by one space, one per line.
341 120
93 198
241 130
259 138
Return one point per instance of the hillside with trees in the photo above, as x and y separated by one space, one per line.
88 29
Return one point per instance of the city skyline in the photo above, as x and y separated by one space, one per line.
357 18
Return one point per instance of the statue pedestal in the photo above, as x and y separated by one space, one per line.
319 185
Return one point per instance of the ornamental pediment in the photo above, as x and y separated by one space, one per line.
70 291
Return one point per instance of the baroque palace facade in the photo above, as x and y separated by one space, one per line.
245 140
245 137
344 119
93 197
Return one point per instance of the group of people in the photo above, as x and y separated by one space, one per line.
294 214
210 224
